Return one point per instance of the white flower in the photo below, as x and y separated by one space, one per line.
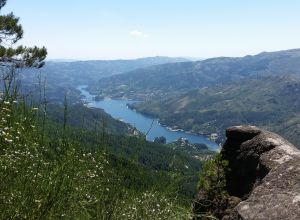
8 140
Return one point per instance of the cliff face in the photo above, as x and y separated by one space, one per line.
264 173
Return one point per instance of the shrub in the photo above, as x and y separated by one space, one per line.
212 197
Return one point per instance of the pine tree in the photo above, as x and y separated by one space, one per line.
10 33
212 197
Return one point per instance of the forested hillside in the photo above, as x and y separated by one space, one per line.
86 72
62 160
57 163
63 77
91 119
65 154
180 77
269 102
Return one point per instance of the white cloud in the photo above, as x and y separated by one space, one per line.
136 33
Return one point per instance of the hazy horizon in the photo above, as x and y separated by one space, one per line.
109 30
188 58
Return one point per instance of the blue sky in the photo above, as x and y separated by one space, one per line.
110 29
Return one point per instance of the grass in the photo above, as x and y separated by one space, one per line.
46 177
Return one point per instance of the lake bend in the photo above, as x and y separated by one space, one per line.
118 109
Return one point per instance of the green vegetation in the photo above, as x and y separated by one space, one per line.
56 167
71 162
63 77
52 169
10 33
92 119
87 72
62 160
212 197
54 178
173 78
206 97
270 102
60 169
161 140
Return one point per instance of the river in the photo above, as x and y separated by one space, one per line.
118 109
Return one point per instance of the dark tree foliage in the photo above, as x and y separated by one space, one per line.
10 33
160 140
212 197
2 3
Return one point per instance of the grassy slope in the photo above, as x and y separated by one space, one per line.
88 169
48 172
112 136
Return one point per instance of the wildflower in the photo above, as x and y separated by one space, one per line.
8 140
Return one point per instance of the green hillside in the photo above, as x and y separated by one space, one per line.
88 118
161 80
65 149
63 166
63 77
69 161
86 72
270 102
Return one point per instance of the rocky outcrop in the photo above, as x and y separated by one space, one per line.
264 174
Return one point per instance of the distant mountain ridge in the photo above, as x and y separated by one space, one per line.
63 77
163 79
86 72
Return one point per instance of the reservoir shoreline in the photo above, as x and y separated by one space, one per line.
120 110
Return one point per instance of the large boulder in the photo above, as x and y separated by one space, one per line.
264 173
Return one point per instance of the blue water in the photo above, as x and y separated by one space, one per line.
118 109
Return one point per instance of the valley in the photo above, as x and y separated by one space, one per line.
149 110
199 97
150 126
262 102
205 97
147 125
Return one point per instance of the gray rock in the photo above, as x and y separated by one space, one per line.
265 174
